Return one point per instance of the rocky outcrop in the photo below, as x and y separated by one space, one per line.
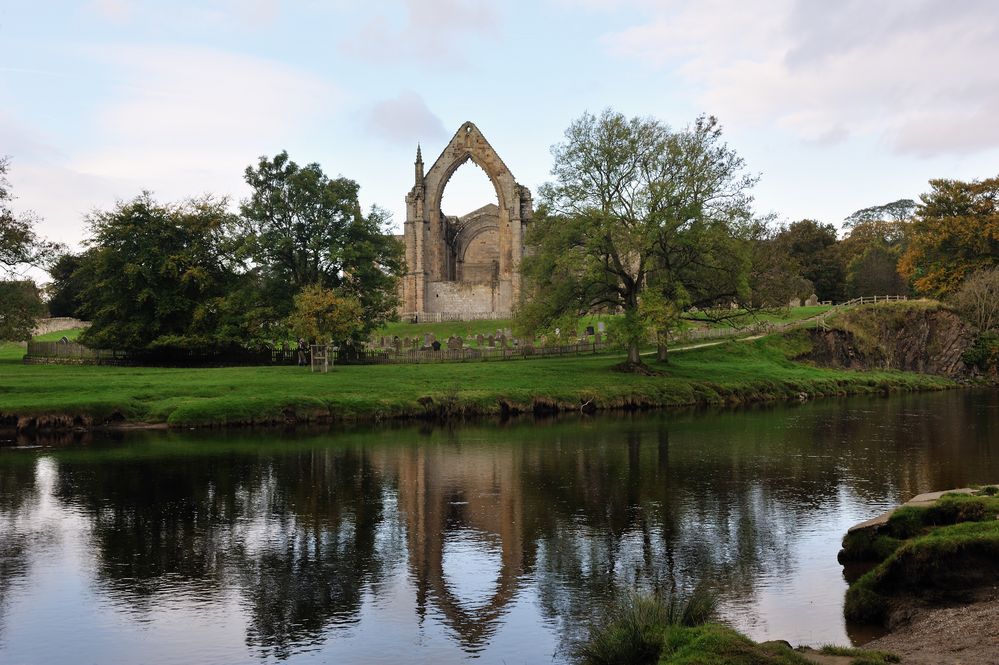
930 340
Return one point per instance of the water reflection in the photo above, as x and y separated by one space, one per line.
492 542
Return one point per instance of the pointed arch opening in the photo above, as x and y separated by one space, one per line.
470 212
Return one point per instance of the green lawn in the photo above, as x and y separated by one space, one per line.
469 329
71 334
728 373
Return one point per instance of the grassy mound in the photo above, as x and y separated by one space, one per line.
936 553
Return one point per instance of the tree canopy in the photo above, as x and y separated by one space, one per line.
324 316
639 219
20 247
813 246
302 227
19 244
955 232
156 274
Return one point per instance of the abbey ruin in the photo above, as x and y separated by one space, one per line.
463 267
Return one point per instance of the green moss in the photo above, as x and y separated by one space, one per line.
867 545
714 644
942 563
861 656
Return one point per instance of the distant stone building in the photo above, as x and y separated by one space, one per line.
464 267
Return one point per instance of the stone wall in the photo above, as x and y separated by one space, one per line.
55 324
462 297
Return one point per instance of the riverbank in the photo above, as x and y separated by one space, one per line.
933 582
61 397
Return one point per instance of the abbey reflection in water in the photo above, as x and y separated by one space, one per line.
306 530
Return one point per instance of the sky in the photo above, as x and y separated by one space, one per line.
835 105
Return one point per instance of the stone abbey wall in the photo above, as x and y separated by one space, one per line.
464 265
462 297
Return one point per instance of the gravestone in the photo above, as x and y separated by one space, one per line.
435 345
794 302
812 301
427 339
502 341
492 341
589 330
600 326
480 340
397 344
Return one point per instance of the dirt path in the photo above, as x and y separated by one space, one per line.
960 635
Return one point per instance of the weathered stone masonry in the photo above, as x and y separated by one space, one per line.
464 266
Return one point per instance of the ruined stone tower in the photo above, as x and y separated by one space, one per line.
464 267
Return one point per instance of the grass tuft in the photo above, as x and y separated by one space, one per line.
635 630
861 656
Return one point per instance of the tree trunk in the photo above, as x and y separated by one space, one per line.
633 356
662 344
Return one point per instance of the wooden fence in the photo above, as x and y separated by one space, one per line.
466 354
73 353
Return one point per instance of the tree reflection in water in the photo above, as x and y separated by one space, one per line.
310 530
18 500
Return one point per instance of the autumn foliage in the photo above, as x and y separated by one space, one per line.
955 233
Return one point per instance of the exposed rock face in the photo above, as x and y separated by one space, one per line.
927 340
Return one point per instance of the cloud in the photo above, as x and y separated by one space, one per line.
116 11
404 119
431 33
176 120
916 74
191 114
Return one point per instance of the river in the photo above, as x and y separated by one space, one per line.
492 543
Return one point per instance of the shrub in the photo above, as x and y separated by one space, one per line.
635 630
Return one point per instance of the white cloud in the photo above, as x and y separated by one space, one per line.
197 116
432 32
116 11
179 121
404 119
917 74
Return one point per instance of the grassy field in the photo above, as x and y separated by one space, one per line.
734 372
469 329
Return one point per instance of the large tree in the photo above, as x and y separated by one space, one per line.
20 307
876 238
304 228
158 274
639 219
813 245
955 233
64 289
20 248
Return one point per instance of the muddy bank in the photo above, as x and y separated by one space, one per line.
966 634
